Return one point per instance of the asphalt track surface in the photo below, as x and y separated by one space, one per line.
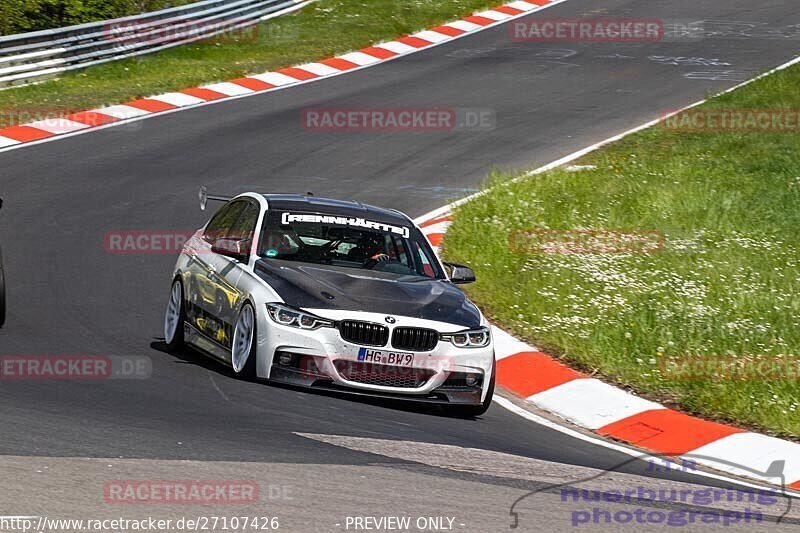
67 295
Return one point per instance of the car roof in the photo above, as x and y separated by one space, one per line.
330 206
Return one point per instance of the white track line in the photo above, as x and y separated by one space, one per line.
514 408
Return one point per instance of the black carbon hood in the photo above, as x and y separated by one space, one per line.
317 286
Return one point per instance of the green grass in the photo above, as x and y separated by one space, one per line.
726 282
318 31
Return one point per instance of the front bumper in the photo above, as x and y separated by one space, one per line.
448 393
322 359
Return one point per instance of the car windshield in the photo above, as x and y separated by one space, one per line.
345 241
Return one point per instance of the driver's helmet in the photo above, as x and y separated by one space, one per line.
277 242
368 245
373 243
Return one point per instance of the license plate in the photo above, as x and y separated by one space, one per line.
368 355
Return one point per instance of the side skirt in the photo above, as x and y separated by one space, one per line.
196 339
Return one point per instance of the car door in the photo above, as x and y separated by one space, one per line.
206 276
225 272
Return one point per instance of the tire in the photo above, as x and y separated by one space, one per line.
175 316
471 411
243 344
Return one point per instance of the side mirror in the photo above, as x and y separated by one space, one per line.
236 248
459 273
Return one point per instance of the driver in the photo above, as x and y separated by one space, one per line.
370 251
278 243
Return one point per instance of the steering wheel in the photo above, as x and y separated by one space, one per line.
372 262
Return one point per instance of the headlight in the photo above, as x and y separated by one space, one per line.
289 316
472 338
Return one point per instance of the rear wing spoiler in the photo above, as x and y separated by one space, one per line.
205 197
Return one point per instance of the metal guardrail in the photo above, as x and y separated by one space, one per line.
35 56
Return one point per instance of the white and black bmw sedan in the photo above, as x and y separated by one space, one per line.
331 294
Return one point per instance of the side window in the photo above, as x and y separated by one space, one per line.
245 226
426 262
397 251
224 220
